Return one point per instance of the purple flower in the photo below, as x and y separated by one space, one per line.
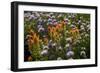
50 44
39 26
79 21
55 23
69 54
49 20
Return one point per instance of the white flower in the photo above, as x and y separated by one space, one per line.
47 15
82 27
88 26
60 15
72 26
86 35
67 45
37 14
49 19
28 36
31 17
83 54
60 48
81 17
45 47
66 32
66 19
73 16
84 20
83 48
51 13
69 22
39 26
59 58
79 37
41 13
54 44
77 41
40 29
79 21
53 17
44 52
69 16
83 24
50 41
27 14
87 22
82 34
69 39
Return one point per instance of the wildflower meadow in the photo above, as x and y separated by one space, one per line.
56 36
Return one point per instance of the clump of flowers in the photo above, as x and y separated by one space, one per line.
56 36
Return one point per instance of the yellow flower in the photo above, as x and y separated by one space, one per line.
74 32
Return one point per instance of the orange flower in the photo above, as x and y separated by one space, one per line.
31 32
74 32
46 40
36 39
29 58
30 43
62 23
58 27
49 28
